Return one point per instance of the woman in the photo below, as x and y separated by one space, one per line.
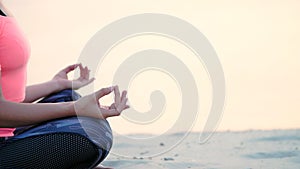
61 135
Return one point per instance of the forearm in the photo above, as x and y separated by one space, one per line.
38 91
20 114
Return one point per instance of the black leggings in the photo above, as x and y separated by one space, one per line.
74 142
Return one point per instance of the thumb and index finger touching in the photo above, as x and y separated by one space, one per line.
104 91
70 68
119 99
73 67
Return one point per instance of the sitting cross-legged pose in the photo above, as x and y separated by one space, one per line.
63 130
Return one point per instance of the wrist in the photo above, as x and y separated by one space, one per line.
56 86
59 85
70 108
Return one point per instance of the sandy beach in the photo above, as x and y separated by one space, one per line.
275 149
257 43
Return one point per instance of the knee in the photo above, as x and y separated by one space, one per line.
98 131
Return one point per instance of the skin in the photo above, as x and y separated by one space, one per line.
19 114
26 113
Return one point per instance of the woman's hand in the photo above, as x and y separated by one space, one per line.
59 82
89 105
61 78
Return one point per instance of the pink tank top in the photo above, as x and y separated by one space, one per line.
14 55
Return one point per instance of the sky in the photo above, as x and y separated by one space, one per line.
256 42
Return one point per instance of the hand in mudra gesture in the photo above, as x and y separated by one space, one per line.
61 78
90 106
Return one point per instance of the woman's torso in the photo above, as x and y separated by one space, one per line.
14 55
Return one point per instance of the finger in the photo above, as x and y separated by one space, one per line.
124 95
104 91
117 95
88 82
109 113
91 80
124 103
122 106
81 70
112 106
86 73
70 68
104 107
125 107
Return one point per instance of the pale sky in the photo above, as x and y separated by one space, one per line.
256 41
